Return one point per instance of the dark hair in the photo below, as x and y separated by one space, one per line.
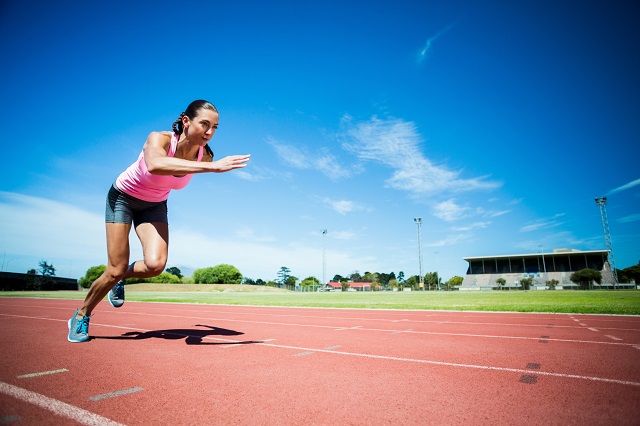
191 112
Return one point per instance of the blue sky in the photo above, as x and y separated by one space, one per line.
497 123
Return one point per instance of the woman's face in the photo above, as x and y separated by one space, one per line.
201 129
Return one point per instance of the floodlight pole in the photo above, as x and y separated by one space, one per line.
543 264
602 202
324 261
437 275
418 221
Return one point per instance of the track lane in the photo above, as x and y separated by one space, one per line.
317 369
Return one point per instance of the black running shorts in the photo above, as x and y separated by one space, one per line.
123 208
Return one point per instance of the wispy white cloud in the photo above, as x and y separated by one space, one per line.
328 164
497 213
259 174
252 177
533 226
290 154
551 222
424 53
451 240
630 218
343 206
560 239
396 143
624 187
73 239
255 259
449 210
323 161
343 235
249 234
65 235
42 227
471 227
481 211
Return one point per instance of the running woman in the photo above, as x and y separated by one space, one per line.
138 198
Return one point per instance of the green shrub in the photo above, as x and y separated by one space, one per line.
220 274
92 274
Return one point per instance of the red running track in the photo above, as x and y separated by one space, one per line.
161 364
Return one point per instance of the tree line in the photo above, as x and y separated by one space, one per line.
229 274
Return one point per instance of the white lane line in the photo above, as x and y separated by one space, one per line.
458 365
115 394
350 319
613 337
408 330
593 329
42 373
57 407
359 328
355 327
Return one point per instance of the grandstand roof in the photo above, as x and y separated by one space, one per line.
556 252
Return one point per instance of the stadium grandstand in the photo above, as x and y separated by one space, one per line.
483 271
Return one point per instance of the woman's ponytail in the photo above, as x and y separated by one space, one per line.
177 125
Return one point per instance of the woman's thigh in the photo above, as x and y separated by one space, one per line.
154 237
118 245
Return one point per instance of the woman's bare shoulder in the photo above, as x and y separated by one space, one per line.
162 139
160 136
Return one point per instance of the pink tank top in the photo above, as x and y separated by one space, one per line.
139 183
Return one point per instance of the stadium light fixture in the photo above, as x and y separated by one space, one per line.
437 275
324 259
543 264
418 221
602 202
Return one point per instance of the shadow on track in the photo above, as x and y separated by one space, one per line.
193 336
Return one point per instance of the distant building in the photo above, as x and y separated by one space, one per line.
483 271
336 286
10 281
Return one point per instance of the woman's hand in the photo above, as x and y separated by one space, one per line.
230 163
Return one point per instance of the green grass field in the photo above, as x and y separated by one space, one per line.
621 302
